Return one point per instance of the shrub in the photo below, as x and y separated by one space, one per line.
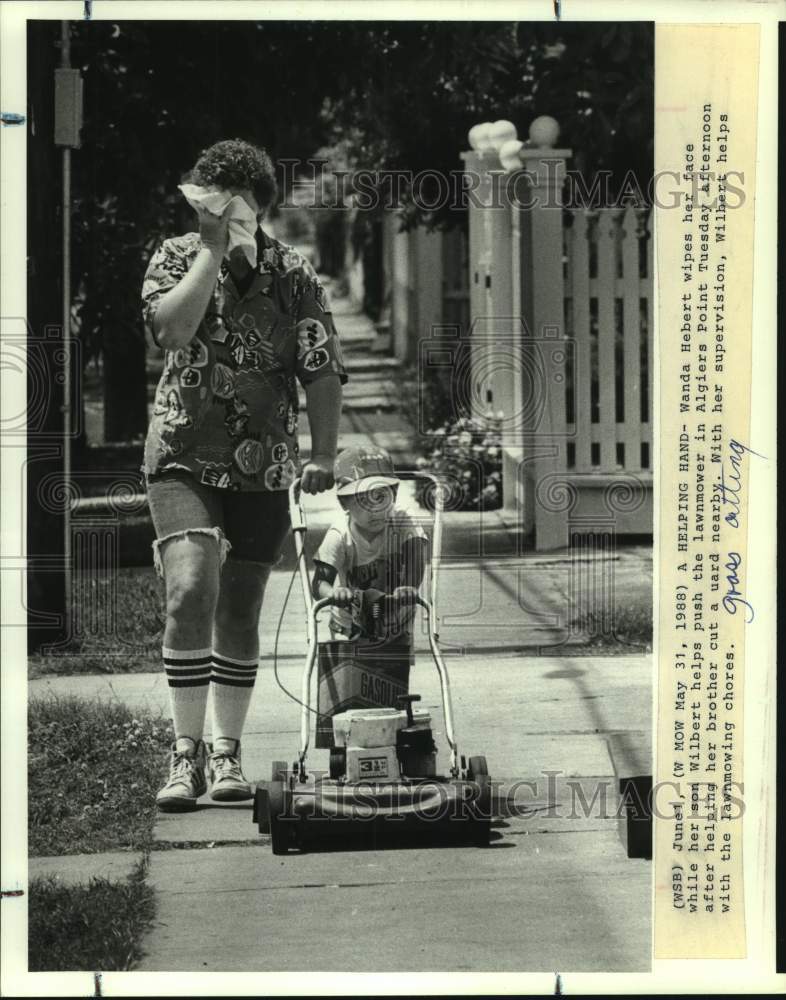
467 456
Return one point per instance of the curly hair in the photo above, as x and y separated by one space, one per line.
234 163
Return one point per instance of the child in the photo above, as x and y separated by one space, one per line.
372 554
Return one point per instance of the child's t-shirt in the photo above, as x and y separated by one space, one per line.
363 563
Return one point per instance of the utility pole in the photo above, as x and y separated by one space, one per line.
54 114
68 122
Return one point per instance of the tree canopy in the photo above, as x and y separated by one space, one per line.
425 84
392 95
399 95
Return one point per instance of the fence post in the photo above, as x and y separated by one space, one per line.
427 278
400 304
494 329
455 279
479 183
353 262
415 274
387 230
537 461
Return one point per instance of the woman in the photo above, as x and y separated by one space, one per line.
221 449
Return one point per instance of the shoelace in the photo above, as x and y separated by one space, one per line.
182 766
226 766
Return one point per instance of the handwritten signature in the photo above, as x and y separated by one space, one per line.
730 487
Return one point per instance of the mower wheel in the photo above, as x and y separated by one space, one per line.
260 812
480 827
338 763
279 771
281 826
477 767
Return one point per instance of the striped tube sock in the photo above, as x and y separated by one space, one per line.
233 682
188 675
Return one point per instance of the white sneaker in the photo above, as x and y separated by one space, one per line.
186 780
227 783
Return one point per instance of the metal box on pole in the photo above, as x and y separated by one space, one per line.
68 107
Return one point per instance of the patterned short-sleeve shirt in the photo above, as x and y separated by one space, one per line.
226 406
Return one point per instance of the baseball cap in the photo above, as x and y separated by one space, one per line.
361 469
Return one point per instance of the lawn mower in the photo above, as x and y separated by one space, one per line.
383 782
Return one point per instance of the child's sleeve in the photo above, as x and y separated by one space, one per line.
329 560
332 550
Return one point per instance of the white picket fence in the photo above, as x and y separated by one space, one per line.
609 332
586 278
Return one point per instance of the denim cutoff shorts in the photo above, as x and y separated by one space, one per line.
250 526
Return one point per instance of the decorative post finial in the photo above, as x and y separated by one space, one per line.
500 132
510 154
490 137
479 137
544 132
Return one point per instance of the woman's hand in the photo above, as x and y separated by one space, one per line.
317 474
214 230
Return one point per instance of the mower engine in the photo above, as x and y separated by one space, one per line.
383 745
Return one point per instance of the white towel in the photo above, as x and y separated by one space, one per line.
242 221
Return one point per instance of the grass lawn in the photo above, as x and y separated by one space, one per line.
120 623
630 630
94 927
93 771
621 622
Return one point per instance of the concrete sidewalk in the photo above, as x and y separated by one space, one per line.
552 891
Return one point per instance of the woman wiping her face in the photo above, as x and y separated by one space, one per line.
241 319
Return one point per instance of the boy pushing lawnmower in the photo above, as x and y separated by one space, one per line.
372 555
